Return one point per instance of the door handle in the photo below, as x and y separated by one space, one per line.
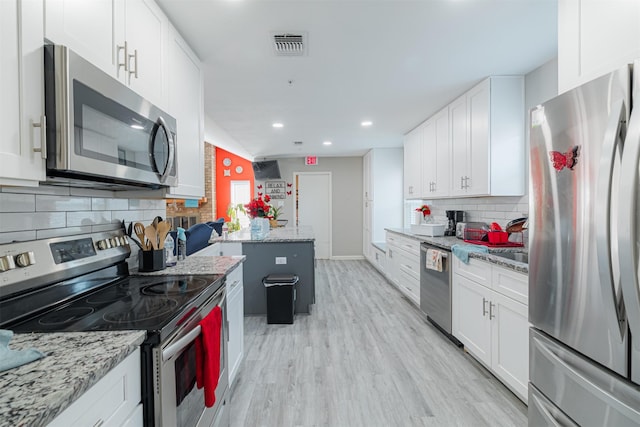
612 138
133 72
43 137
125 63
628 225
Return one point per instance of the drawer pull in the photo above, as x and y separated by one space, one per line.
484 306
99 423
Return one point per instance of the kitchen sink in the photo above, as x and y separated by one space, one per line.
515 256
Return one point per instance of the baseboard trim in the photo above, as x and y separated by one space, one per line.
347 257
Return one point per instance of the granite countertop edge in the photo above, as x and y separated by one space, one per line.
36 393
198 265
275 235
446 242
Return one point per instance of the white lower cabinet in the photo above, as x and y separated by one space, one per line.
235 317
403 265
112 401
379 259
493 327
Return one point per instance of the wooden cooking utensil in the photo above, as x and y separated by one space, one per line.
138 228
163 229
152 236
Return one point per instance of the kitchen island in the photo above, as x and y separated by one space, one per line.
284 250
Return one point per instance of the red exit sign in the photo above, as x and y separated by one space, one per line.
311 160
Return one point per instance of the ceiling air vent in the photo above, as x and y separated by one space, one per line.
289 44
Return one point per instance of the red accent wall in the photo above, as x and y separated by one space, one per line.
223 183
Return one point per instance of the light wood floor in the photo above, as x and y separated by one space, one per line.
365 356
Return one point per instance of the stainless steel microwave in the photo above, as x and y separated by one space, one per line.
100 133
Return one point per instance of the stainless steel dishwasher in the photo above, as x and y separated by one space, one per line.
435 291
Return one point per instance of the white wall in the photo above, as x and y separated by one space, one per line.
215 135
346 179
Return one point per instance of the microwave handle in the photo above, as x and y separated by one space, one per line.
172 149
179 345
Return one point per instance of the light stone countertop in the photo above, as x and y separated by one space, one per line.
275 235
35 393
198 265
445 242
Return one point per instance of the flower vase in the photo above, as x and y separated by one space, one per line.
427 219
259 228
417 218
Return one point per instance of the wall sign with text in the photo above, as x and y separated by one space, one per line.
275 189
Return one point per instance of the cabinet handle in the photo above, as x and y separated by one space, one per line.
390 253
484 306
98 423
135 64
462 183
125 63
43 137
466 182
491 315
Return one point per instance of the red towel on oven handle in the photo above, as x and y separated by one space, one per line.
208 355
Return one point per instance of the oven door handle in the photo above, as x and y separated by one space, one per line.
179 345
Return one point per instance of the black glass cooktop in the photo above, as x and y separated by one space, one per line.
130 303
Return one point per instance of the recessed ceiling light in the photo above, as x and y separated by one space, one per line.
277 125
327 143
366 123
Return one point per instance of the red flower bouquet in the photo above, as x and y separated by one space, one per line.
424 209
258 207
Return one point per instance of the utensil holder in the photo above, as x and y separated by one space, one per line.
153 260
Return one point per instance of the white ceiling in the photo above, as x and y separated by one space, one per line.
393 62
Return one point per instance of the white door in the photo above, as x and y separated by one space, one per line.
241 193
313 208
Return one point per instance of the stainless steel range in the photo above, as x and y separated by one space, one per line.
82 283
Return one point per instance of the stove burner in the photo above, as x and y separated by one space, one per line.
65 315
175 287
100 298
145 309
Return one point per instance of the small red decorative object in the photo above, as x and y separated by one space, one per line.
288 193
424 209
259 186
565 160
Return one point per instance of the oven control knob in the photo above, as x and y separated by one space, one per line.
25 259
125 240
6 263
114 242
104 244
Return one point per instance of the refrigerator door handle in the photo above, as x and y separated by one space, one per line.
627 225
610 148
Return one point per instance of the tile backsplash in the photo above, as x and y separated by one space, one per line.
53 211
480 209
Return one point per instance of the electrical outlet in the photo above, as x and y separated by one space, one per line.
281 260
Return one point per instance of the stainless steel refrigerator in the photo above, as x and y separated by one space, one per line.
584 295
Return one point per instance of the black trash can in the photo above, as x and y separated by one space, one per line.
281 297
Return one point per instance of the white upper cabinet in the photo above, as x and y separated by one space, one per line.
487 139
21 86
413 163
126 39
145 34
459 144
87 27
436 156
595 37
187 106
